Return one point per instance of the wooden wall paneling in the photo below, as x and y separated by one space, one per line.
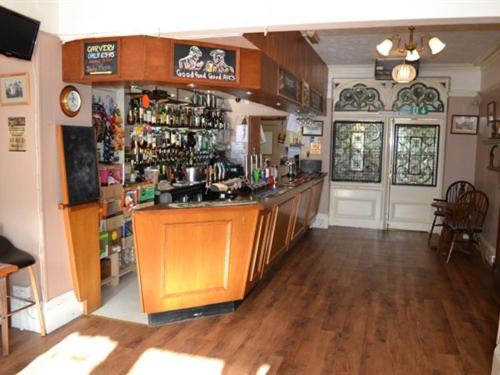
72 61
251 68
284 216
254 134
303 207
133 58
292 51
193 257
315 199
82 232
158 59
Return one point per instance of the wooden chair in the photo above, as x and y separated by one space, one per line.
466 217
20 259
455 190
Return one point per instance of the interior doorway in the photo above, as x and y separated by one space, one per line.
386 170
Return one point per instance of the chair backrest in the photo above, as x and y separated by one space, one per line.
477 203
456 189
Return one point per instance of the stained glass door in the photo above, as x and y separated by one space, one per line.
416 159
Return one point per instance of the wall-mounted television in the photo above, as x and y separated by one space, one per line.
17 34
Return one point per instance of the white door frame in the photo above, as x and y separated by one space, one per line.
365 205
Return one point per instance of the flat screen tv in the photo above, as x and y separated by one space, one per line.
17 34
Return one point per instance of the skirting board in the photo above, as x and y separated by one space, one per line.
321 221
57 312
488 251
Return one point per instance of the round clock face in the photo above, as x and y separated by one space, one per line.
74 101
71 101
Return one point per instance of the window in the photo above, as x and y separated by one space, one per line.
415 155
357 151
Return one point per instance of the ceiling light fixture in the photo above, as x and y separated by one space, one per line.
410 50
404 73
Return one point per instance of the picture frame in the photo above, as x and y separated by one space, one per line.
491 112
306 94
315 129
464 124
14 89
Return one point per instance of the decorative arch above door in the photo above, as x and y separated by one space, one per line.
364 95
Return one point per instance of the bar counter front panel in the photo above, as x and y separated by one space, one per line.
194 257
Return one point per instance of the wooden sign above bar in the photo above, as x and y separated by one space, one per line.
198 62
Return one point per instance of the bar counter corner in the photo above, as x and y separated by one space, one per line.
201 259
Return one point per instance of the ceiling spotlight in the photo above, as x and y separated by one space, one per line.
191 85
278 104
385 47
248 93
436 45
412 55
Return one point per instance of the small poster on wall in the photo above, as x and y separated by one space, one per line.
17 136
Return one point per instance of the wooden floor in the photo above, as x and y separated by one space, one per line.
344 301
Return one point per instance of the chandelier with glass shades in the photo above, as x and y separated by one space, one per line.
411 51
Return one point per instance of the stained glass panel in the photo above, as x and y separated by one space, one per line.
415 155
357 151
359 98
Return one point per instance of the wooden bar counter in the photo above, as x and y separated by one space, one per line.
213 253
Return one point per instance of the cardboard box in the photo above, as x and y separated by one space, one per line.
127 229
115 237
110 207
113 222
128 242
111 192
146 193
105 268
103 244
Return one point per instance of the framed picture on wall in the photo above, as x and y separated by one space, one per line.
491 112
464 124
313 129
14 89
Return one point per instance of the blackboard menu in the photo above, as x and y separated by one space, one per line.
289 86
316 101
197 62
100 58
80 164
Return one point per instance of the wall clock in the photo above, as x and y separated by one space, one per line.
70 101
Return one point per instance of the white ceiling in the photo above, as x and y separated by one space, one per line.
464 44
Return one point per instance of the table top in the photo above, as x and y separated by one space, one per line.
6 269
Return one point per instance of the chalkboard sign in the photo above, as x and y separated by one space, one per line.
100 58
316 101
212 64
77 149
289 86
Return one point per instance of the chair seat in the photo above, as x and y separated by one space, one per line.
12 255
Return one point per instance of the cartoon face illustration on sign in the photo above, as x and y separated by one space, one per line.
191 61
217 64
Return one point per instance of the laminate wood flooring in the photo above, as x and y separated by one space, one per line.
342 301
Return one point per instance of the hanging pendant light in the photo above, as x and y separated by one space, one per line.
436 45
404 73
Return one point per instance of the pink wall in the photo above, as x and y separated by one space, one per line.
57 270
19 190
29 214
486 180
459 160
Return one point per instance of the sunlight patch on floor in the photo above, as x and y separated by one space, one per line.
155 361
74 355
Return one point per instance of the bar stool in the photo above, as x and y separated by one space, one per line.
11 255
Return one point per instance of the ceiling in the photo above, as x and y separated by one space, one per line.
465 44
